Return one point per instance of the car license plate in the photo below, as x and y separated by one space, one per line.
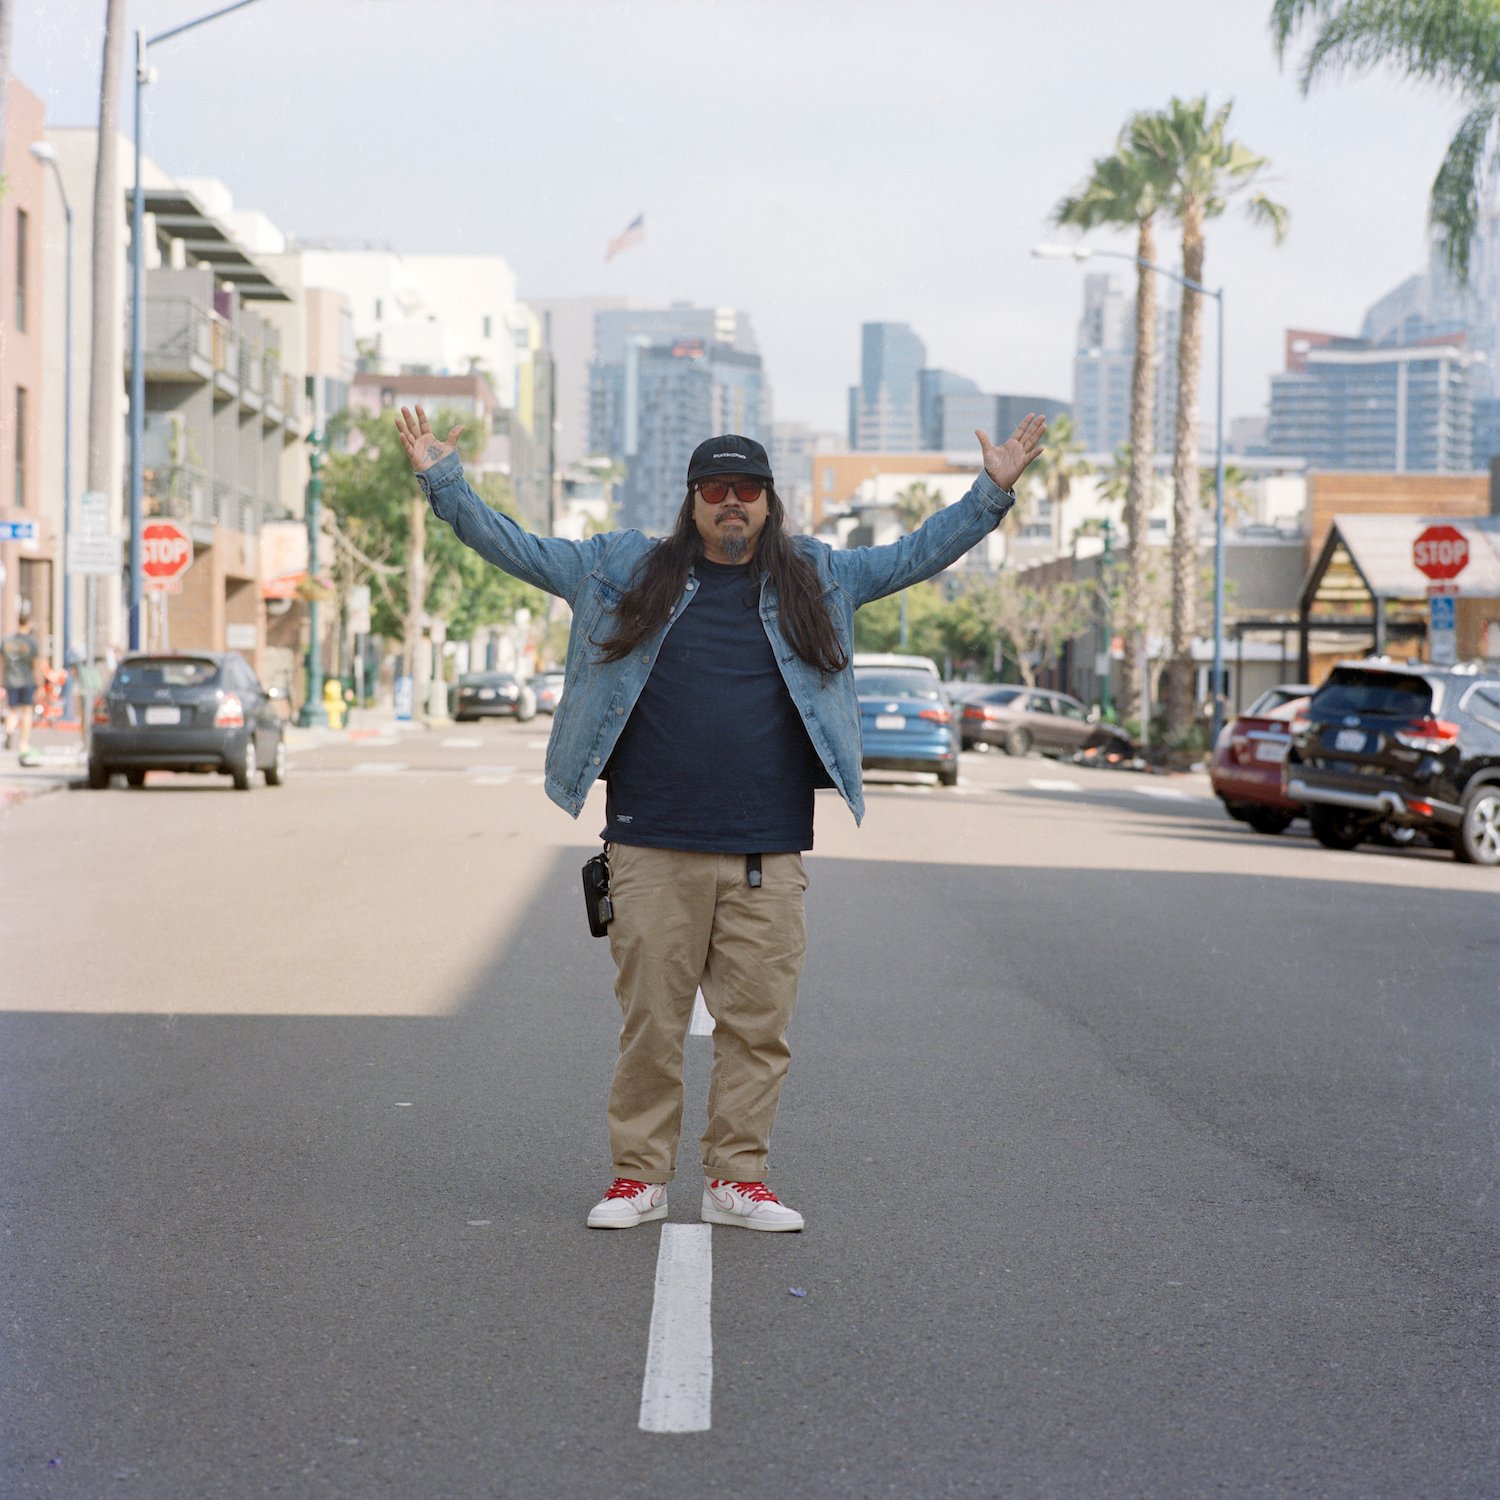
1272 750
890 721
158 715
486 692
1349 739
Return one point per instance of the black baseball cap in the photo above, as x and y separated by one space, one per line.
728 454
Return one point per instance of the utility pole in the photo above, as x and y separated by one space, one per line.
1106 573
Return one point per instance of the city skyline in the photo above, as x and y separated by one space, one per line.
899 172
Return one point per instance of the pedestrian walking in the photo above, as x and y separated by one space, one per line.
708 683
23 669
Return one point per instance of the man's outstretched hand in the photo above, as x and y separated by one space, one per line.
1012 458
423 446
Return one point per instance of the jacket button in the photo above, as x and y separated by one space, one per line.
596 760
620 710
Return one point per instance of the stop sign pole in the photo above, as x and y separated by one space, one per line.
1442 553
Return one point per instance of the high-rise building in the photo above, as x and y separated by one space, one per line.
567 334
1104 365
935 389
1345 403
662 380
1433 305
884 408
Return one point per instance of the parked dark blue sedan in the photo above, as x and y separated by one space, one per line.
906 722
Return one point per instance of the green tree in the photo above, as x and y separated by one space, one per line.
1455 43
1206 168
1130 188
1031 623
371 493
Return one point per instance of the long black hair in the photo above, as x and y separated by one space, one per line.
659 579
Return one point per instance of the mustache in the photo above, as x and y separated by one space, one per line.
732 515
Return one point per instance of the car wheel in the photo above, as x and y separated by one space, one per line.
949 777
1018 742
98 776
1478 841
135 778
1263 820
276 771
244 772
1336 827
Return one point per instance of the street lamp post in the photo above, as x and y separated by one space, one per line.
48 154
143 76
314 715
1084 252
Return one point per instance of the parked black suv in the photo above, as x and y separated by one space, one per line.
1389 748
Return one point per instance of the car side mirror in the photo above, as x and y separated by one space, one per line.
1093 714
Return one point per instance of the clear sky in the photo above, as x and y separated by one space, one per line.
818 163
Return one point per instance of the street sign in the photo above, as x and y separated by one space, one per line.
1441 552
166 554
91 556
1442 629
17 531
359 609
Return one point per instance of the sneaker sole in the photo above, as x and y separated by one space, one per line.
718 1216
645 1218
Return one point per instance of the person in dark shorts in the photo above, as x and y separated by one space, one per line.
22 671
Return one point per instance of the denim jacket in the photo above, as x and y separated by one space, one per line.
593 575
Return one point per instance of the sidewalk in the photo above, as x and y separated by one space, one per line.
54 763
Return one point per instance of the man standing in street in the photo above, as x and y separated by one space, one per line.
709 684
22 673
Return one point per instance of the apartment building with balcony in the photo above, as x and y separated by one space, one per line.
29 579
223 346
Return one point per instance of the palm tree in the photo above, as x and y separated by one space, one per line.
104 341
1060 464
1451 42
1130 188
915 503
1206 169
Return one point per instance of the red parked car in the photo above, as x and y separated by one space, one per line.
1249 756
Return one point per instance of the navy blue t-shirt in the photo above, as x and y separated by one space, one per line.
714 756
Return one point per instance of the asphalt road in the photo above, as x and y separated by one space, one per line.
1141 1155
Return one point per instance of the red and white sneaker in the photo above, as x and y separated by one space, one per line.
628 1203
749 1205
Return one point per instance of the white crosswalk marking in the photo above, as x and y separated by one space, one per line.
1045 784
379 767
677 1393
1166 793
462 743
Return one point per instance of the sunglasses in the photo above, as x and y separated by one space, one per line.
746 491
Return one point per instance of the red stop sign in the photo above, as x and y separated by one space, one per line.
166 550
1441 552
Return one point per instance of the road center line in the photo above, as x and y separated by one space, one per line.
702 1023
677 1393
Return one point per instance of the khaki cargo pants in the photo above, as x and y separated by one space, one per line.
683 920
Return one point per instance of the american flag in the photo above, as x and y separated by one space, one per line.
633 233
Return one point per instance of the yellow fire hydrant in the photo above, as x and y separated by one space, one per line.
333 702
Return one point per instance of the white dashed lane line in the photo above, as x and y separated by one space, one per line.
702 1023
677 1392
